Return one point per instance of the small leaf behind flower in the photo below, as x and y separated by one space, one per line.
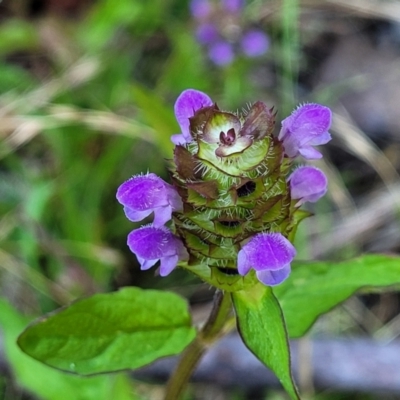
110 332
315 288
262 328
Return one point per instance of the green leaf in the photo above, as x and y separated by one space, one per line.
48 383
110 332
315 288
262 328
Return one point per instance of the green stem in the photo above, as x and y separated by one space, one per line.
211 331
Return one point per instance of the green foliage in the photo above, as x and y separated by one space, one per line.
315 288
49 383
262 328
17 35
109 332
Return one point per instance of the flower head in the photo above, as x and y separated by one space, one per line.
143 194
306 127
307 184
232 200
152 244
206 33
200 8
222 30
270 255
221 53
232 6
254 43
185 107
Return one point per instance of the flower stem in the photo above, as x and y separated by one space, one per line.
215 327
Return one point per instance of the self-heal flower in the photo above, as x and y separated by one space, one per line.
270 255
307 184
306 127
200 8
143 194
232 203
232 6
221 53
222 29
254 43
152 244
185 107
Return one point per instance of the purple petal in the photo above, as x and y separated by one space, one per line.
221 53
144 194
307 184
321 139
146 264
273 278
151 243
134 215
255 43
265 252
243 264
179 138
232 6
168 264
206 33
188 102
309 153
306 126
162 215
200 8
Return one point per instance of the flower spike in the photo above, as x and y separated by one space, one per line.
152 244
233 202
144 194
306 127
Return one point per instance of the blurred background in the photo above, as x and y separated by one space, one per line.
87 89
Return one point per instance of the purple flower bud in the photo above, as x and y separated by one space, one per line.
232 6
221 53
186 105
151 244
207 33
143 194
307 184
270 255
306 127
200 8
255 43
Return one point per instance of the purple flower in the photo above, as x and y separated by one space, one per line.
221 53
200 8
307 184
306 127
151 244
143 194
207 33
270 255
232 6
255 43
186 105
